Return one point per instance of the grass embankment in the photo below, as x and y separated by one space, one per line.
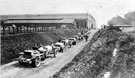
11 46
96 58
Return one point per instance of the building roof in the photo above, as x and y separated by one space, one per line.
123 25
45 16
39 21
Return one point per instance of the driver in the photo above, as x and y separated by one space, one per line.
35 46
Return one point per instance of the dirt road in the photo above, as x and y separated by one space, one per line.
48 67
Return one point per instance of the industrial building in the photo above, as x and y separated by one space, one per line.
76 20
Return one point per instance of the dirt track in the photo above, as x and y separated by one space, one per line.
48 67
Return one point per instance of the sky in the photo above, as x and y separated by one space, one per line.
101 10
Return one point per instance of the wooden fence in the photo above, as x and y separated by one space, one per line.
25 29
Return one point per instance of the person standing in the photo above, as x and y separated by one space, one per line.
86 37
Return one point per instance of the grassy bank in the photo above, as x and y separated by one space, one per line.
96 58
11 46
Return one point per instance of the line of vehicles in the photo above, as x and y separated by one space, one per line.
36 55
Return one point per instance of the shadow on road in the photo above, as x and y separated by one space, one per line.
21 66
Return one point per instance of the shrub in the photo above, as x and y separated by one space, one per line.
97 56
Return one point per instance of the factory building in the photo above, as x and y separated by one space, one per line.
78 20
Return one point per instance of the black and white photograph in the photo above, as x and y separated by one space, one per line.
67 38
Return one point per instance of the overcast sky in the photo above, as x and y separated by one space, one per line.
102 10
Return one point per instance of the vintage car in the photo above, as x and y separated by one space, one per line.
60 39
80 37
49 49
67 43
60 46
31 57
72 41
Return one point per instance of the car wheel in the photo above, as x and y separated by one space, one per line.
74 43
61 49
36 62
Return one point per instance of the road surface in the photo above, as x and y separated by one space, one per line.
48 67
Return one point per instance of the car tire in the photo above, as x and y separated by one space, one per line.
74 43
61 49
36 62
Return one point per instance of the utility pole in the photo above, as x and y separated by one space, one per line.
88 20
134 23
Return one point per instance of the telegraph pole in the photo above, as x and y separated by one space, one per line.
134 23
133 26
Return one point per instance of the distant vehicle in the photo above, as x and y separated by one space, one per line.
73 41
60 39
46 50
66 42
88 32
60 46
31 57
80 37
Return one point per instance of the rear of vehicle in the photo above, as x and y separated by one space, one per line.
25 58
59 46
80 37
30 57
73 41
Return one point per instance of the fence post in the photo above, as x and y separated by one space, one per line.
27 28
24 29
35 28
9 29
38 29
3 30
17 29
13 30
42 28
20 29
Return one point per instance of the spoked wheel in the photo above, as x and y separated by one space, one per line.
36 62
